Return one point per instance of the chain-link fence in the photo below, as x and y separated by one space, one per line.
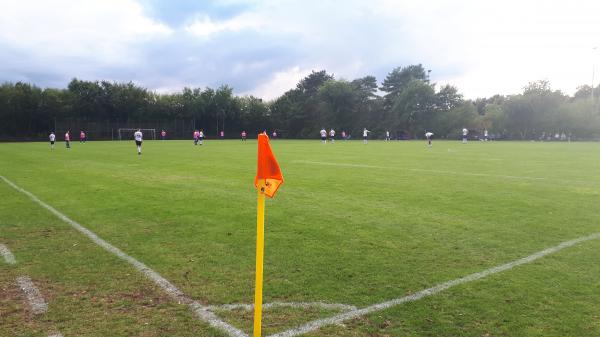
107 130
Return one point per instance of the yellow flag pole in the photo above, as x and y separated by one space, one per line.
260 247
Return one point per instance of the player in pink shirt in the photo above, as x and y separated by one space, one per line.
81 136
196 137
163 135
244 135
68 139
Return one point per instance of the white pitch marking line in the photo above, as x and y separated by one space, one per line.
337 164
477 174
418 170
56 335
303 305
337 319
445 172
34 297
8 256
198 309
473 174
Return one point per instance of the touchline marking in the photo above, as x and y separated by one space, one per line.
472 174
56 335
337 164
477 174
339 318
417 170
33 295
198 309
8 256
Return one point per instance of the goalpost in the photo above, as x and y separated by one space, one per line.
127 134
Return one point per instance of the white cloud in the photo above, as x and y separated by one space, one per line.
279 83
101 31
205 27
482 47
241 67
501 46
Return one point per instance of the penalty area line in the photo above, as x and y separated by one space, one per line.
337 319
200 311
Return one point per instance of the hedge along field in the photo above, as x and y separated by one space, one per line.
352 225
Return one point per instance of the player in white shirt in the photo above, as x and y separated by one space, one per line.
332 135
428 136
365 135
323 136
465 132
52 138
201 136
485 135
387 136
138 140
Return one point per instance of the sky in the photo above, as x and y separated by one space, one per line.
263 48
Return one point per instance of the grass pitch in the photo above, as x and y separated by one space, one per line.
353 224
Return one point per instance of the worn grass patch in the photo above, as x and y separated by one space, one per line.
275 319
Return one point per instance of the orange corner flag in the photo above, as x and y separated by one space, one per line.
267 181
268 170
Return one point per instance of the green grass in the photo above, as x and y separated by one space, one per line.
390 220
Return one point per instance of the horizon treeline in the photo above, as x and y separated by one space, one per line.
406 103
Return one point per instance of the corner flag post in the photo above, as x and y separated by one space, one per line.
260 247
267 181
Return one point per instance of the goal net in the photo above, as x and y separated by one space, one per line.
127 134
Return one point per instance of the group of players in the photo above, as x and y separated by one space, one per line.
365 133
345 136
428 135
245 135
138 136
52 137
199 136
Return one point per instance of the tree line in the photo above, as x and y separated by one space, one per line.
406 103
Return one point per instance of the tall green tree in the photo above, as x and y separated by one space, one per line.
533 112
414 109
398 79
